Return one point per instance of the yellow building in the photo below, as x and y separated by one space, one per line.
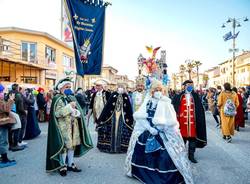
33 58
224 72
242 70
241 73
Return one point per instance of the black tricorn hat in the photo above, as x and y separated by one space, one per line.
187 82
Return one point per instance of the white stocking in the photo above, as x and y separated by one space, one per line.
64 158
70 157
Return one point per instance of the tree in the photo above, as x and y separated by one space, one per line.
197 64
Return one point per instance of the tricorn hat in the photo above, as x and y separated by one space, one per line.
102 82
187 82
62 83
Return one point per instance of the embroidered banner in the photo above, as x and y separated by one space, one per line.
87 24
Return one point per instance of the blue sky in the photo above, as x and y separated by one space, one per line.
186 29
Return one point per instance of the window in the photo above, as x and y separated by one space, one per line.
50 55
67 61
30 80
29 52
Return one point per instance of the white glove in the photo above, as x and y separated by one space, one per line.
153 131
76 113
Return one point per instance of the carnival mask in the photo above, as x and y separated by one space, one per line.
189 89
157 94
68 92
120 90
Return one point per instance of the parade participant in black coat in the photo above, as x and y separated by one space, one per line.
191 117
115 124
98 100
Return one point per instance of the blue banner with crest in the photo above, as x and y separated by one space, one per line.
87 20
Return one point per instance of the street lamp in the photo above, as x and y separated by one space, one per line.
235 23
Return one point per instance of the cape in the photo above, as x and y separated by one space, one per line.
201 133
55 143
109 110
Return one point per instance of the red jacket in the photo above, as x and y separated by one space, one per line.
186 117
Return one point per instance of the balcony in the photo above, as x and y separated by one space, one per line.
11 51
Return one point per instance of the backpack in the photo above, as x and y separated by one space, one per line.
229 108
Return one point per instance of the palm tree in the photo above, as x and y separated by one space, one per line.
182 69
174 77
197 64
190 67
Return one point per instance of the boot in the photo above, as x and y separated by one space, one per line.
191 158
237 128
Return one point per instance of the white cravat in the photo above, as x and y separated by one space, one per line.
188 98
99 104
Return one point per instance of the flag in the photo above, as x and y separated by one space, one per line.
235 35
227 36
67 34
87 25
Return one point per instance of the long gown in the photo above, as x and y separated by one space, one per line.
114 125
167 165
32 127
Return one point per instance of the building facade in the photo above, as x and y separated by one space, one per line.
224 72
33 58
213 76
108 74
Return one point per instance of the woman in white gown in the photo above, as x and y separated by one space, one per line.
156 153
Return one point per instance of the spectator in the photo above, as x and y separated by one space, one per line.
5 119
41 104
32 128
227 103
21 110
239 118
81 99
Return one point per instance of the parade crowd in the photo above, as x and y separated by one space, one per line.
159 129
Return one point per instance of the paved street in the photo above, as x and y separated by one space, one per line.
219 163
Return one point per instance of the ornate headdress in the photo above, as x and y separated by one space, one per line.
154 70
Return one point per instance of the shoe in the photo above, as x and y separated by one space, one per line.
224 137
7 163
237 128
191 158
22 143
229 139
63 171
16 148
74 168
